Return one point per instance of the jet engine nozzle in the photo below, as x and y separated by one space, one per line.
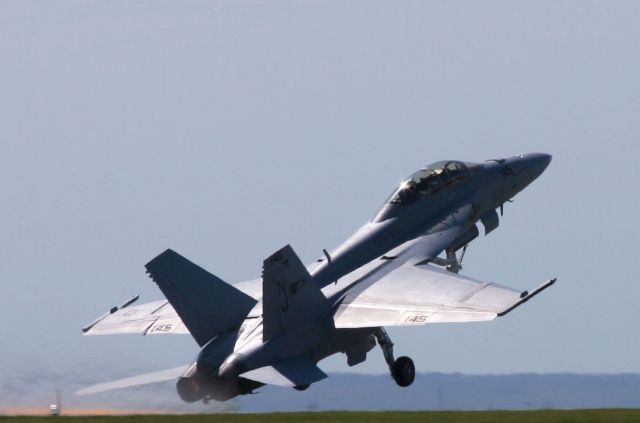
192 389
189 390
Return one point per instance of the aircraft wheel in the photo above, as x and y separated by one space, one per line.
404 372
301 387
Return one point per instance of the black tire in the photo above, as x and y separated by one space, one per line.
404 372
301 387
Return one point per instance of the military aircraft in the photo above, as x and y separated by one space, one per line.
274 330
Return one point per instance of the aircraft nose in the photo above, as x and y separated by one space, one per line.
536 163
524 169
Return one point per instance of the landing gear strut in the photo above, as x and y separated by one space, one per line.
402 370
451 263
455 264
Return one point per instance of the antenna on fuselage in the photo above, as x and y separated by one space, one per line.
326 254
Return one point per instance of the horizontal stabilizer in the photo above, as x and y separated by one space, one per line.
290 372
206 304
161 376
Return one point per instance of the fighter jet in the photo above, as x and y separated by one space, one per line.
399 269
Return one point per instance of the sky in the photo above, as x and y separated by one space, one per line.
225 130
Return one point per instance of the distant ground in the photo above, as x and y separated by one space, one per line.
530 416
30 390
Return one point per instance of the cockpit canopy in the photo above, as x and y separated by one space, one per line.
428 181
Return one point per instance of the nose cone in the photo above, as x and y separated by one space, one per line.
536 163
524 169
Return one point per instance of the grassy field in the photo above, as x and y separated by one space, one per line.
610 415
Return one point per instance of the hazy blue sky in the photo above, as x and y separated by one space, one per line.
225 130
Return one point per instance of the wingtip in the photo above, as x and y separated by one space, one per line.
526 296
112 310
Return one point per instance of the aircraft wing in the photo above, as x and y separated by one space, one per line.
156 318
401 289
414 294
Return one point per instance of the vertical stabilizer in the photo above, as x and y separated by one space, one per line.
289 294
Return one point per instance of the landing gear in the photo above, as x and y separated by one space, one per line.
301 387
456 264
402 370
451 263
